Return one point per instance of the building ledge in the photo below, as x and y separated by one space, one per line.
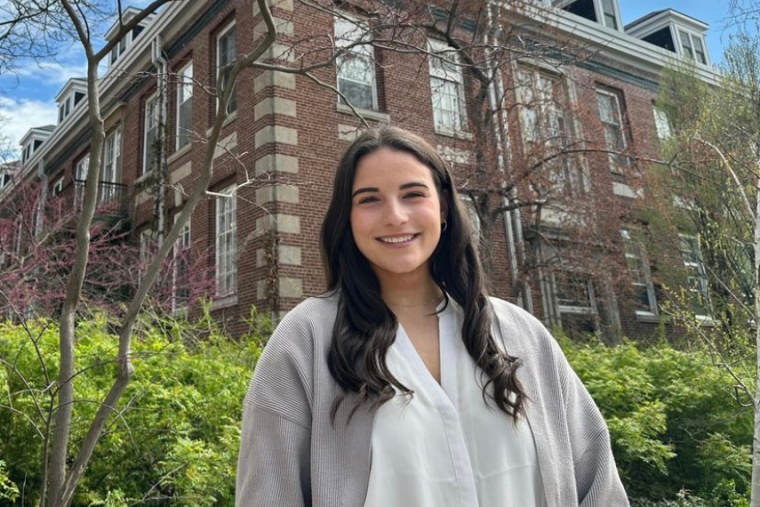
368 114
224 302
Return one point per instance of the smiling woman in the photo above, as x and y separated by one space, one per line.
406 385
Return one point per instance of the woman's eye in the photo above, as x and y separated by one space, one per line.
367 199
412 195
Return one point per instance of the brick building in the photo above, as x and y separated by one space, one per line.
277 152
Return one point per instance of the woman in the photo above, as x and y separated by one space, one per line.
406 385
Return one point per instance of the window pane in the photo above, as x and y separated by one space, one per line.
686 44
225 56
358 94
699 49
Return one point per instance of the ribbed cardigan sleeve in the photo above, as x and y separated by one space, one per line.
274 462
596 477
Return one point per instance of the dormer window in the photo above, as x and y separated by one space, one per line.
604 12
70 96
673 31
128 39
64 109
33 141
610 14
692 46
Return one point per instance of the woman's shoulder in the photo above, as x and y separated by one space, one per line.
308 322
521 328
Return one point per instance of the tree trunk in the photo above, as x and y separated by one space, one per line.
755 498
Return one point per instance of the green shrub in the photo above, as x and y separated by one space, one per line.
176 436
674 422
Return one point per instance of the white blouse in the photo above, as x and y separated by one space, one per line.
445 447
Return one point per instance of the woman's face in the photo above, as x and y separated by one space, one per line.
396 213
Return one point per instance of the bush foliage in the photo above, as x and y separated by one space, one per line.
680 436
175 439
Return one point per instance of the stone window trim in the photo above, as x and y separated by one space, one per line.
184 113
637 262
225 251
356 72
151 119
447 89
611 108
222 39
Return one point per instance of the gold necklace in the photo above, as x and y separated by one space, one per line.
437 298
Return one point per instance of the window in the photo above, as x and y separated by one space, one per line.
226 243
609 14
662 124
184 105
111 167
152 117
546 128
225 55
447 88
58 186
5 180
64 109
610 112
576 303
692 46
696 276
80 177
356 67
181 271
638 270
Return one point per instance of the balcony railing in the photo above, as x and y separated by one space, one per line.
112 198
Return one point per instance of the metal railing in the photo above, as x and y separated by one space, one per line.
112 197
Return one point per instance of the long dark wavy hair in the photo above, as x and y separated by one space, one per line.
365 327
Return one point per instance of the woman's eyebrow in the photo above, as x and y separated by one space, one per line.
364 190
411 184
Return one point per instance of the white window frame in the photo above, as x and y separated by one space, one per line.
693 47
111 172
662 123
58 186
152 117
64 109
80 178
348 30
638 269
617 161
605 14
232 103
446 71
181 246
184 96
697 282
226 242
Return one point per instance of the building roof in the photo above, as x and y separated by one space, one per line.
666 13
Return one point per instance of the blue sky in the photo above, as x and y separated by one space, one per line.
28 98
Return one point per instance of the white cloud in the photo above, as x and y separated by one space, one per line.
19 115
52 73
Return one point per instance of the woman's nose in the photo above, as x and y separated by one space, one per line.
394 213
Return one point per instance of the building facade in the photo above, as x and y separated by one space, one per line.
255 235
